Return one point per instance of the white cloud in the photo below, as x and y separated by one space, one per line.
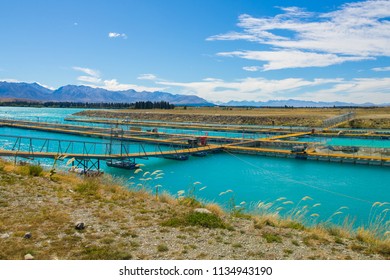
146 77
258 89
291 59
376 90
251 68
88 71
115 86
117 35
89 79
359 29
94 80
212 80
381 69
11 81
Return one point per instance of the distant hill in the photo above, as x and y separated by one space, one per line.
72 93
25 91
296 103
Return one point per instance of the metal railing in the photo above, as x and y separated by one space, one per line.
338 119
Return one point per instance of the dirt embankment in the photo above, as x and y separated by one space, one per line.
374 118
287 120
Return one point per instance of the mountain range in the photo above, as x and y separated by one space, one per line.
73 93
297 103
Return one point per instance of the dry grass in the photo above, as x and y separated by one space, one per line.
365 117
123 224
365 236
167 198
215 208
266 220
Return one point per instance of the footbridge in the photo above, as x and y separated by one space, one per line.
298 134
88 154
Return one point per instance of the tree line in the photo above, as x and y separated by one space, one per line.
153 105
101 105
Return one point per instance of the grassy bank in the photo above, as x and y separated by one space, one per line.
39 215
373 118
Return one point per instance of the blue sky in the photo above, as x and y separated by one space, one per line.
220 50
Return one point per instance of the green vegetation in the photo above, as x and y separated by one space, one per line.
102 105
271 238
294 242
35 170
190 201
153 105
162 248
88 187
196 219
294 225
204 220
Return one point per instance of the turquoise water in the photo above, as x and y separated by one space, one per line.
254 179
210 133
66 143
360 142
375 143
36 114
251 179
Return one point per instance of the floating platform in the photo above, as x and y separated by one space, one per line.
312 155
123 164
177 157
181 149
199 154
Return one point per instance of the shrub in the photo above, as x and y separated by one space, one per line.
35 170
162 248
88 188
190 201
272 238
173 222
383 248
204 220
197 219
294 225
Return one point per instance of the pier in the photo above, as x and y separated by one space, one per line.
87 153
176 146
327 130
113 132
